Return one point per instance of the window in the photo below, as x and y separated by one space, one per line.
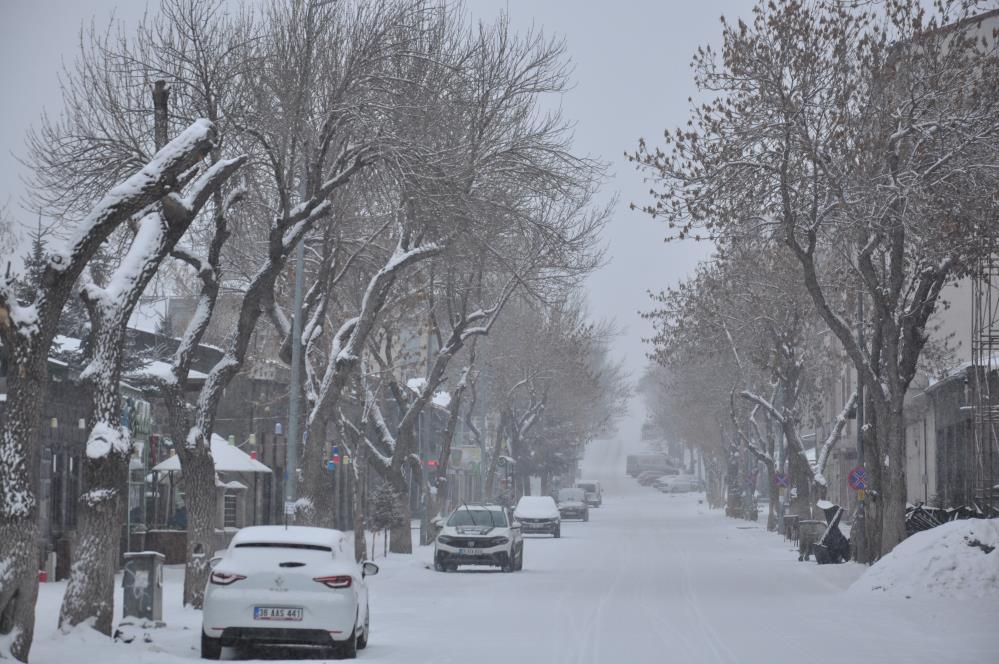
229 510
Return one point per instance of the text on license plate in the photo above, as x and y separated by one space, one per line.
468 552
276 613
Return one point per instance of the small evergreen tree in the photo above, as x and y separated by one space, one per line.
384 513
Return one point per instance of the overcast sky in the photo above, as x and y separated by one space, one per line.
632 79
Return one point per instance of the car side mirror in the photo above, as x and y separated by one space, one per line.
369 569
214 561
516 525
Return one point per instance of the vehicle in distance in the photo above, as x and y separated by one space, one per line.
539 514
647 477
287 586
638 463
679 484
479 535
572 504
594 494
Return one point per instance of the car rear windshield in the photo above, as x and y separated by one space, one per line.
283 545
571 494
477 517
588 487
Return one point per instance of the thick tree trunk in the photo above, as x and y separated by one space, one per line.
19 516
201 503
317 485
90 591
893 481
401 533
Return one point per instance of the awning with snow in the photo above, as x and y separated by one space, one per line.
228 459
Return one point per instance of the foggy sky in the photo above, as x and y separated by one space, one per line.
632 79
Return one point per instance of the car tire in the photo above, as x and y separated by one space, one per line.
586 515
558 532
362 641
348 650
210 648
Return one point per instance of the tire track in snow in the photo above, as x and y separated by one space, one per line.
716 645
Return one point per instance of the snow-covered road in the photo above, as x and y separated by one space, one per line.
650 579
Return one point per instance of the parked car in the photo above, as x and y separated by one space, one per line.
679 484
647 477
479 535
539 514
594 494
287 586
572 504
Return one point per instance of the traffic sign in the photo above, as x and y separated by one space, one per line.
782 479
858 479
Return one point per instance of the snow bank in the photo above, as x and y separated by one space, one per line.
958 559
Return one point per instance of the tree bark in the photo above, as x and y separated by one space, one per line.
317 486
201 503
90 591
19 529
401 534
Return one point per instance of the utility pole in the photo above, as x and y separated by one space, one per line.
294 426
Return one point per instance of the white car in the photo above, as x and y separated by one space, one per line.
479 535
539 514
287 586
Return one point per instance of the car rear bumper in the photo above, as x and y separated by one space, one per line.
230 610
574 513
236 636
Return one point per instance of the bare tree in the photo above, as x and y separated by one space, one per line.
853 131
27 330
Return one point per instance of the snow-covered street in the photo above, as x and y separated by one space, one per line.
650 578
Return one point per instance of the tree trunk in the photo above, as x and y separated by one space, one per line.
401 532
359 543
892 495
201 503
90 592
317 484
19 516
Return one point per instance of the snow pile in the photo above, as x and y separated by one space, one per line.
957 559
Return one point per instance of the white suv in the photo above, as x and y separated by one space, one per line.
479 535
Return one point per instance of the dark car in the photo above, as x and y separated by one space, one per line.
572 504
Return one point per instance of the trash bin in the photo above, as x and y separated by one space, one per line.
142 585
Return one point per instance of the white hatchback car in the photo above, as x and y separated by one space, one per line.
287 586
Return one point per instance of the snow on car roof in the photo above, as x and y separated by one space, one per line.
288 535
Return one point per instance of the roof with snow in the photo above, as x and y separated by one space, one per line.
228 459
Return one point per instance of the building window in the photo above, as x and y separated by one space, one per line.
229 510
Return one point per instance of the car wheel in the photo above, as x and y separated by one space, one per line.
558 532
362 641
349 649
520 559
586 515
210 648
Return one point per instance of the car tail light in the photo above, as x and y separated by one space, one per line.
223 579
335 581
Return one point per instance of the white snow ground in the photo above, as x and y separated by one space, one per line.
650 579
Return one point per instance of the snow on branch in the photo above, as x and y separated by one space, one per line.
822 457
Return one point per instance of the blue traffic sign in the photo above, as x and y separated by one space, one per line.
858 479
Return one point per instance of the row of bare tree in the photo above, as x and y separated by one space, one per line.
843 160
438 199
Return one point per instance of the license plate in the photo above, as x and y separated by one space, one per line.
277 613
468 552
